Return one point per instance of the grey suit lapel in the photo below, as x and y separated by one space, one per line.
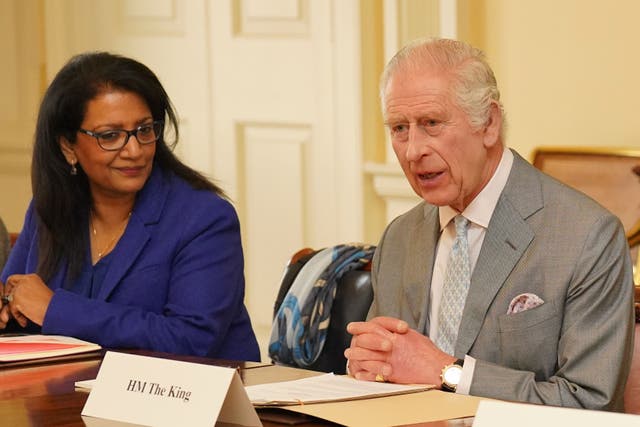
507 237
419 271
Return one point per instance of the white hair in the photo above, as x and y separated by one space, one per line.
474 84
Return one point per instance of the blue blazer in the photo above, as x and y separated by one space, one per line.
175 279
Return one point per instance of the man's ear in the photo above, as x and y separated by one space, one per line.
493 126
67 150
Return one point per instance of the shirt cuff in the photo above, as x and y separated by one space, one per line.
464 386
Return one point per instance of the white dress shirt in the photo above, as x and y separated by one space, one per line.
479 214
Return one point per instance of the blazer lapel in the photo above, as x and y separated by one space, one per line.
147 210
419 270
507 238
131 244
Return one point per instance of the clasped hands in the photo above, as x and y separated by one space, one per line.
386 348
24 297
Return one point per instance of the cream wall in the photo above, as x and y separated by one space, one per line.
568 70
21 78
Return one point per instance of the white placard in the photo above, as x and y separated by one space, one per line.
493 413
161 392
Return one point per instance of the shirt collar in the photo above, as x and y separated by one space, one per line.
481 208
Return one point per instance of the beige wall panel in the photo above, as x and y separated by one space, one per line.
19 85
152 18
271 18
154 11
567 69
16 192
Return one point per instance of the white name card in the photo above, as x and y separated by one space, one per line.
160 392
493 413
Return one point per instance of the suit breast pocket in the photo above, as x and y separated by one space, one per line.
529 340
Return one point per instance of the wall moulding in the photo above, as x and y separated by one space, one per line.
273 168
286 152
15 161
152 17
282 18
390 184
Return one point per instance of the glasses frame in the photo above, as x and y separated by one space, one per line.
130 133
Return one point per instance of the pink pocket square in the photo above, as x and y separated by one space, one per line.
524 302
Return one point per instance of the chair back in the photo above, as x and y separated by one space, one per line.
354 295
605 174
5 244
632 389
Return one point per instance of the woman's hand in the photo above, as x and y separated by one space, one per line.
30 299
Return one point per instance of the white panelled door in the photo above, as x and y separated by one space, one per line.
286 138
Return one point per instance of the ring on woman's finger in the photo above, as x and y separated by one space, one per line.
380 378
6 299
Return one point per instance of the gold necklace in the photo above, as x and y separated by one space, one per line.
112 241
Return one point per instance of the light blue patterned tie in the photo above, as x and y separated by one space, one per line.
454 291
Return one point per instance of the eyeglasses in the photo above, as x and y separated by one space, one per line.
115 139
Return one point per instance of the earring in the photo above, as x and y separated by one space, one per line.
74 170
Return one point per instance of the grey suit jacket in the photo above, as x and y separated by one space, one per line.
543 238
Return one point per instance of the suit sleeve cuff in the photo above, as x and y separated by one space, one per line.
464 386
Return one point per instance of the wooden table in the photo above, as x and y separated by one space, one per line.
43 394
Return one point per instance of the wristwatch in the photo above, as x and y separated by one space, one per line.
450 375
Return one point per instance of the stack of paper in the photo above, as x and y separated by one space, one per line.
324 388
29 347
346 401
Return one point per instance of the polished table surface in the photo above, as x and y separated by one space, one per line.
44 394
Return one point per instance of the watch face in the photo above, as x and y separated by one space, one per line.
452 375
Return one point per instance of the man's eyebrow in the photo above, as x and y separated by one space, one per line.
395 118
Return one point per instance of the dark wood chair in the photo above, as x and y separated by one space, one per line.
611 176
632 390
605 174
354 294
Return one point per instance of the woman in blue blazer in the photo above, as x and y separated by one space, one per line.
124 245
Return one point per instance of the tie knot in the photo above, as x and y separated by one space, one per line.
462 224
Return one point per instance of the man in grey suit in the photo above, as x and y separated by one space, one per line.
548 312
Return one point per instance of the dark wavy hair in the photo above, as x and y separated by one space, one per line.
63 201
